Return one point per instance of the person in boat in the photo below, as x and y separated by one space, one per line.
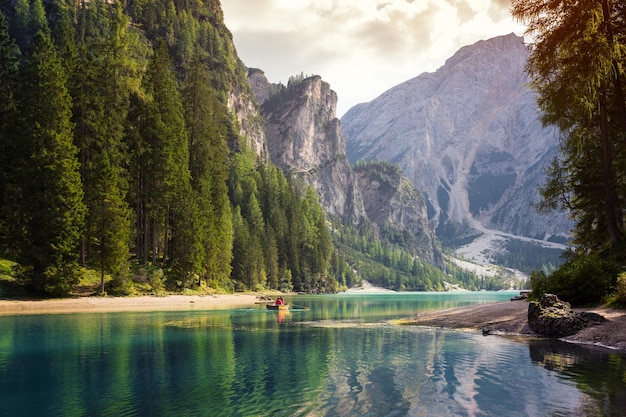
280 301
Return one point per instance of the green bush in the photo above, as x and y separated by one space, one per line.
120 285
579 281
538 283
7 267
157 281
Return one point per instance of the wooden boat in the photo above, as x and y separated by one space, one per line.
274 306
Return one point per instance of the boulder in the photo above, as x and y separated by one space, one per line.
553 317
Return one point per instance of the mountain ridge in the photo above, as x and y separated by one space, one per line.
469 137
305 139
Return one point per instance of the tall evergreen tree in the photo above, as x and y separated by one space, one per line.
105 74
206 121
51 207
30 17
248 261
166 179
22 27
576 65
9 60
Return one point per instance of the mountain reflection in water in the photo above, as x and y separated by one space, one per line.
340 358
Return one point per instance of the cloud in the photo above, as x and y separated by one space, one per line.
397 29
465 12
361 48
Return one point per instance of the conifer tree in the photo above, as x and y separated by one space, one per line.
30 17
166 178
51 207
576 65
110 220
22 24
37 19
206 121
9 60
64 36
241 236
101 66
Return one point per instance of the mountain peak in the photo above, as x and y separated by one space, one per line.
469 137
305 139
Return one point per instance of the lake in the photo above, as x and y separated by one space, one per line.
338 357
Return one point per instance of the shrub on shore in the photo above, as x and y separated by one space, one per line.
581 280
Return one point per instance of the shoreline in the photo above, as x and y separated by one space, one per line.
500 318
511 318
144 303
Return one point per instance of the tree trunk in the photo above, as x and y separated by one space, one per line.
620 104
139 222
38 279
155 242
146 236
611 206
101 289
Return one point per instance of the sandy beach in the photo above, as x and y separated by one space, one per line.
116 304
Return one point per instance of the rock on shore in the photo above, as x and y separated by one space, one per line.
553 317
511 318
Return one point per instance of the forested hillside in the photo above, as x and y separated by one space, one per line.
119 155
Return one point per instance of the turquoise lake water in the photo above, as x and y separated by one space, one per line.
339 358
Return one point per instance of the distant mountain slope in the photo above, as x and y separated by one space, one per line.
305 139
399 210
469 137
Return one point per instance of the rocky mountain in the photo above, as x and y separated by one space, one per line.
399 210
243 106
305 139
469 137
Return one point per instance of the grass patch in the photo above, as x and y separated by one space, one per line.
6 268
10 286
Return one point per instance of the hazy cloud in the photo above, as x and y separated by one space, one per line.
361 48
465 12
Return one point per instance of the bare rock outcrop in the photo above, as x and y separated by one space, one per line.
305 140
398 209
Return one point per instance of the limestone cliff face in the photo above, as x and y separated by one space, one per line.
469 137
305 133
240 97
245 109
392 203
304 139
260 85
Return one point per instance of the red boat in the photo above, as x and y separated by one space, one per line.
275 306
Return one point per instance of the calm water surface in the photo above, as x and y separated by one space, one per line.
339 358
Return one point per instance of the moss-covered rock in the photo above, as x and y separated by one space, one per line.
553 317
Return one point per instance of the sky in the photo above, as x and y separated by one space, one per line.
360 47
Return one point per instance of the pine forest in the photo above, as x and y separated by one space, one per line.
121 163
120 157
